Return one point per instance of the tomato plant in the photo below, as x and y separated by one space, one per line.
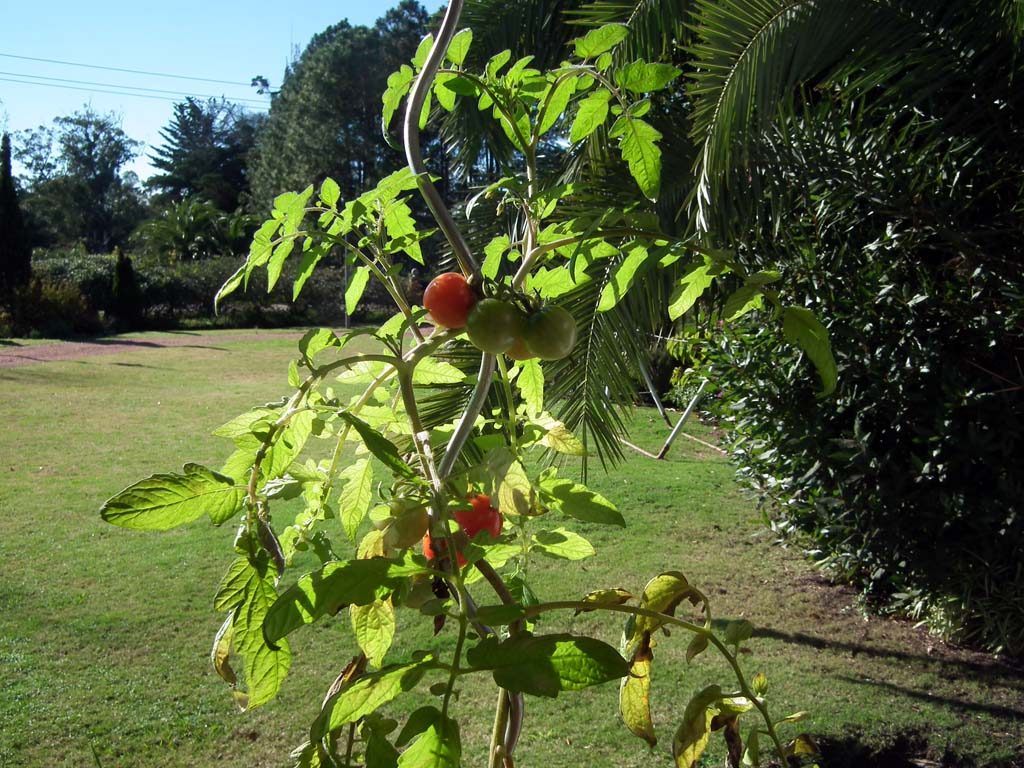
449 298
424 460
494 325
550 333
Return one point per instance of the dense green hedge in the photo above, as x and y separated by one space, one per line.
910 480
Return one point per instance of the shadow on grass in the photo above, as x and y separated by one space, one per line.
957 705
992 670
152 344
907 750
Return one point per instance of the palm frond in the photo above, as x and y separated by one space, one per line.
750 56
657 27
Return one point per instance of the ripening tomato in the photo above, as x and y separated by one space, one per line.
519 351
550 333
481 517
494 325
449 299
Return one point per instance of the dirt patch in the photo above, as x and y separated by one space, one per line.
14 356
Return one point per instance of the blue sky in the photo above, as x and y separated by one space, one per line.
221 40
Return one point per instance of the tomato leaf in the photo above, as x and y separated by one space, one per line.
165 501
545 665
599 40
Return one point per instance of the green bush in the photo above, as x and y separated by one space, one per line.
181 293
46 308
910 480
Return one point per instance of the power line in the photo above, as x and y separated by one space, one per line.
92 90
121 69
131 87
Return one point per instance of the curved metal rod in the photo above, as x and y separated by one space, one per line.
465 425
411 139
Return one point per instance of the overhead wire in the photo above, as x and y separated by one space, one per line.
124 69
260 102
100 90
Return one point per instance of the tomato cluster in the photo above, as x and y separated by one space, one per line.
499 326
481 516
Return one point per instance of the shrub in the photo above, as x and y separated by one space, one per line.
910 480
48 308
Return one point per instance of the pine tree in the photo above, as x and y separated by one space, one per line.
15 249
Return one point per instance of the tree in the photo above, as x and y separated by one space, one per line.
205 153
15 249
325 120
79 192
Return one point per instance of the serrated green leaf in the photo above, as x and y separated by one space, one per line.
242 425
374 628
445 96
356 495
229 287
307 265
802 328
328 590
623 276
265 667
276 262
438 746
530 383
431 371
545 665
515 492
459 47
599 40
317 340
422 51
645 77
165 501
579 502
493 252
399 84
562 544
461 86
558 437
379 446
556 102
642 155
366 694
354 290
330 192
236 582
590 115
401 227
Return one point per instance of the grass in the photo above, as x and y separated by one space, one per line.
104 633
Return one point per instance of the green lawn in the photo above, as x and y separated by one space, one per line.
105 633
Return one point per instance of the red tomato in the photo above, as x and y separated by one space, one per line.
481 517
430 554
448 299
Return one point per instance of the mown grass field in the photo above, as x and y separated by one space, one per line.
105 633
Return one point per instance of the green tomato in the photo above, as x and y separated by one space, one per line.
494 325
550 333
